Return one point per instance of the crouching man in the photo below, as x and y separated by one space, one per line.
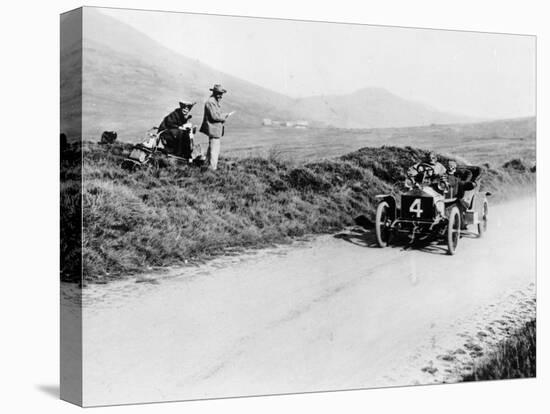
176 131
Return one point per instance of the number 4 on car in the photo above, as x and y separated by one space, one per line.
415 208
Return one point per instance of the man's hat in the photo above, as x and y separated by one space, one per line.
187 104
429 155
217 88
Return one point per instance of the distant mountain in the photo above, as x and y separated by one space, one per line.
130 82
373 108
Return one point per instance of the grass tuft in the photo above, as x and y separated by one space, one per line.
513 358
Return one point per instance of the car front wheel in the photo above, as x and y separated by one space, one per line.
382 224
453 230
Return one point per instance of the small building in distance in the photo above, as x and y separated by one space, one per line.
271 123
267 122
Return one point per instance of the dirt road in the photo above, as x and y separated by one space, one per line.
327 314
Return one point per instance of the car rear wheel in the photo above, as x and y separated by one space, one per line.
482 225
383 231
453 230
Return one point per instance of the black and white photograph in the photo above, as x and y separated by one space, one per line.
254 206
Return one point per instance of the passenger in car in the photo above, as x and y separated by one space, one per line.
461 184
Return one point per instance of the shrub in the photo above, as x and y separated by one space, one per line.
516 164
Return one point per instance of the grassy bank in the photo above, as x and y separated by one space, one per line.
514 358
167 213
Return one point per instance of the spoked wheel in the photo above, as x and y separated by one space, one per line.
453 230
383 231
482 225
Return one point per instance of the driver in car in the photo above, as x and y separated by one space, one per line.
430 161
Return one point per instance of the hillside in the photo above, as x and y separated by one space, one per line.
70 74
494 142
168 214
131 82
373 108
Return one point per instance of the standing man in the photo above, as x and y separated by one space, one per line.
213 125
175 130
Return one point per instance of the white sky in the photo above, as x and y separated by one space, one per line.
476 74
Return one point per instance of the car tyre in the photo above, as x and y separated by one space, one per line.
453 230
382 230
482 225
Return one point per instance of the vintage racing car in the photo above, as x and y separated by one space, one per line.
434 208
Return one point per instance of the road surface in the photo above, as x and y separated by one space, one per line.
330 313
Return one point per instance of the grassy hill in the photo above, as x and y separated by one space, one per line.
494 142
168 214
